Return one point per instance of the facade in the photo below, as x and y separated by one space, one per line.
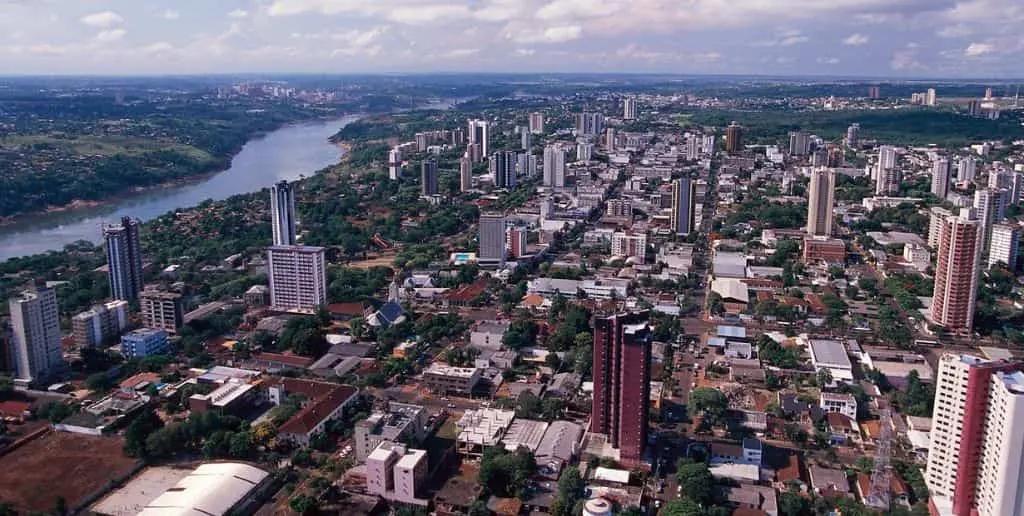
396 422
465 173
936 216
629 108
161 310
990 205
888 181
1004 246
536 123
821 202
515 242
1000 487
428 178
940 178
480 134
396 473
733 138
622 376
505 169
967 170
447 379
830 250
684 206
492 237
35 328
554 166
394 164
101 322
799 143
956 272
143 343
630 245
844 404
298 277
584 151
124 259
282 213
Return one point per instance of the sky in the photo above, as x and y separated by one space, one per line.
866 38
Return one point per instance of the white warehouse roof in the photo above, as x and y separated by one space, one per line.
212 489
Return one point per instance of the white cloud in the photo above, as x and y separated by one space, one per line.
906 60
785 38
524 52
460 52
575 9
856 40
157 48
238 14
955 31
427 14
828 60
108 36
102 20
171 14
551 35
979 49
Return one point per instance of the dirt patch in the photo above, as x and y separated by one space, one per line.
60 464
385 260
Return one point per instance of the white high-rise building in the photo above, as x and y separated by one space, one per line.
554 166
526 140
930 99
887 157
536 123
394 164
630 245
1000 179
940 178
936 214
990 206
35 328
1004 245
853 135
1000 486
480 134
298 278
966 171
821 202
887 182
609 139
492 238
584 151
629 108
282 213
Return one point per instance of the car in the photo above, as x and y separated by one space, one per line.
451 405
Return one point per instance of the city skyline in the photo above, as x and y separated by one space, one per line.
910 38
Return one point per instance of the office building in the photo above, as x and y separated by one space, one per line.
143 342
394 164
956 271
887 181
161 310
684 206
1004 245
935 222
480 134
515 242
35 332
465 173
887 157
630 245
974 457
100 323
554 166
395 422
799 143
940 178
629 108
124 259
853 135
282 213
584 151
505 169
537 123
428 178
609 139
622 377
733 138
967 170
525 139
820 202
492 238
298 278
396 473
526 165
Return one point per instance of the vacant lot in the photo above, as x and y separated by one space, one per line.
60 464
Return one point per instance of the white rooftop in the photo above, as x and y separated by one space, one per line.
484 426
212 489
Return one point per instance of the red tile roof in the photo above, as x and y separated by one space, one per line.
791 471
13 408
324 399
466 293
354 309
292 360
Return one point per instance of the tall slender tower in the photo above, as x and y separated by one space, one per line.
554 166
940 178
465 173
282 213
958 263
684 194
428 178
733 138
629 108
505 169
821 202
35 327
124 259
622 378
480 134
394 164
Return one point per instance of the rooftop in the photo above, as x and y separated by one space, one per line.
829 353
484 426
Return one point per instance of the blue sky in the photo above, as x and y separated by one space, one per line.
897 38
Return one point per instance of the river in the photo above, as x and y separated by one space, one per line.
287 154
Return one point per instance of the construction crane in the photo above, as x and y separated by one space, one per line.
881 487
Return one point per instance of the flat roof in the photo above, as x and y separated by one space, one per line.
210 489
446 370
411 459
524 432
135 495
484 426
619 476
829 353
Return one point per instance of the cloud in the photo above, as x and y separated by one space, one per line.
856 40
238 14
828 60
108 36
460 52
786 38
550 35
171 14
524 52
159 47
979 49
906 60
102 20
955 31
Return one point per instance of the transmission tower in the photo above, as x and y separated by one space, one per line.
880 479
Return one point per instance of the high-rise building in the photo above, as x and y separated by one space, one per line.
874 92
887 156
584 151
526 164
1004 245
589 124
935 222
124 259
525 138
100 323
609 139
684 206
622 376
930 98
974 456
1000 179
554 166
836 156
799 143
1016 188
428 178
821 201
282 213
888 181
630 245
629 108
853 135
465 173
161 310
394 164
537 123
492 238
35 328
480 134
990 206
298 278
733 138
515 241
505 169
940 178
967 170
958 261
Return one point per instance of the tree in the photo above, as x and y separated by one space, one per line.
824 377
712 403
570 490
528 405
6 387
696 481
304 504
521 334
681 507
137 432
303 336
99 382
505 474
